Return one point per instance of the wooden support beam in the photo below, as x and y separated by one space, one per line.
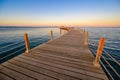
51 35
26 42
99 52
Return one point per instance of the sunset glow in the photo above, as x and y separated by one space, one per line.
60 12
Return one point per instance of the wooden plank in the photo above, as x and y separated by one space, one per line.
68 59
67 53
5 77
79 71
27 72
82 65
14 74
58 69
42 70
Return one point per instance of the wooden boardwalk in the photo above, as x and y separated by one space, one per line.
65 58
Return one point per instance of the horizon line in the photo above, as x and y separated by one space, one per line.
65 26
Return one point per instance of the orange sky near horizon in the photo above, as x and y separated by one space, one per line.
86 13
105 23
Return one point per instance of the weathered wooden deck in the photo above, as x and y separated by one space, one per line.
66 58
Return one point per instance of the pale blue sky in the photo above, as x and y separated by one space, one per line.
60 12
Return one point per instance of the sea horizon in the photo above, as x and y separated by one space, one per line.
59 26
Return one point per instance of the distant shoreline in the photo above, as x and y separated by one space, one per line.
57 27
28 27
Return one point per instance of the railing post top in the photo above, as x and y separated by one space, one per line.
99 52
26 42
51 35
25 34
103 38
86 38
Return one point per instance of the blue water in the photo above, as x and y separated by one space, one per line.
112 46
112 36
12 41
37 36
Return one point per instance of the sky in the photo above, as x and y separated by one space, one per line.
60 12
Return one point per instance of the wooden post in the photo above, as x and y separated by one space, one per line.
86 38
51 35
99 52
26 42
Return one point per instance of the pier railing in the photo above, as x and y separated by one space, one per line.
110 65
15 48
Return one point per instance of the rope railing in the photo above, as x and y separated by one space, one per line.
16 43
111 57
16 46
112 48
12 48
106 70
112 42
96 41
108 54
12 53
4 40
111 67
106 62
94 52
98 53
11 44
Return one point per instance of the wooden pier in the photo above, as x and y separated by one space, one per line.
65 58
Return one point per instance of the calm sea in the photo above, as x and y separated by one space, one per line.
12 43
112 47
